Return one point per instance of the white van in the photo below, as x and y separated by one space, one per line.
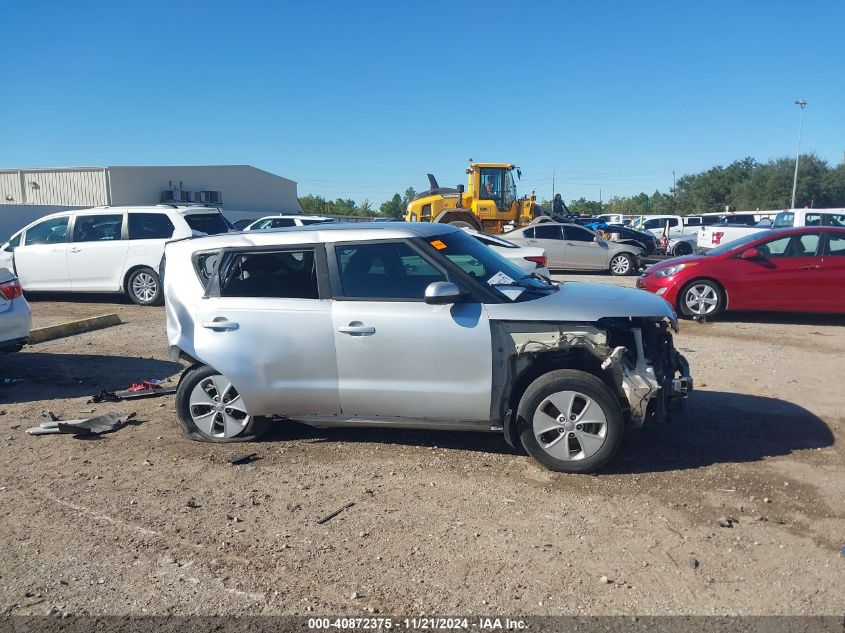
104 249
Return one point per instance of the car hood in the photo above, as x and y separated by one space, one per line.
674 261
581 301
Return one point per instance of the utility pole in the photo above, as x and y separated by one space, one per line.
674 205
802 103
553 184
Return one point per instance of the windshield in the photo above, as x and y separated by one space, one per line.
208 223
735 244
482 263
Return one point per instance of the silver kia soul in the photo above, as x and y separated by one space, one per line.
416 326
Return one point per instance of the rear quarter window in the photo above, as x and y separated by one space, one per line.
208 223
149 226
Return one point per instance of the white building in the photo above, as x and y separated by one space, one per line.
242 191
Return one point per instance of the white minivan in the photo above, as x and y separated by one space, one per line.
104 249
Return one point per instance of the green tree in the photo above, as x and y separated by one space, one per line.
393 208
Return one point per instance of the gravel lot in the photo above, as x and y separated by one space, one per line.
145 521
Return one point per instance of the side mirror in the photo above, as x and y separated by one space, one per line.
751 253
442 292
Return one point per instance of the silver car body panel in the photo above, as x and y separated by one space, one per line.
586 302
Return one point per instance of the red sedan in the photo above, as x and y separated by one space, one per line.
783 270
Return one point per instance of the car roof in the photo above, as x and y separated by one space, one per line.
293 216
330 232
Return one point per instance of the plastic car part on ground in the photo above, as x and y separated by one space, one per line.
143 389
50 424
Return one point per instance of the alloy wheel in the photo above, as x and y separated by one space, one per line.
701 299
570 426
144 286
216 408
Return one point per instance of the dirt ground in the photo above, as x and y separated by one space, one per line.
144 521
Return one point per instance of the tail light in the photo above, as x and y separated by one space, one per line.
11 289
541 261
716 238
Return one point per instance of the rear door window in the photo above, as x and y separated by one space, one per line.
97 228
208 223
813 219
836 245
836 219
547 232
149 226
47 232
287 274
577 234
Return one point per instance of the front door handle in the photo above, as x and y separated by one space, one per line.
813 267
356 327
75 249
221 324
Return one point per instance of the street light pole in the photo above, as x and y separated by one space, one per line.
802 103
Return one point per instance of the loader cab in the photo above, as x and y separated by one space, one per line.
496 184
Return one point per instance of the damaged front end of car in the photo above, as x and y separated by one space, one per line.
634 356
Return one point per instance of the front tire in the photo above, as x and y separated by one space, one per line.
701 298
144 287
210 409
621 265
570 421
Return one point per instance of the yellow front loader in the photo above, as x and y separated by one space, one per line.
488 203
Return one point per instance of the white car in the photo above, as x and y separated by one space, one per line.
283 221
531 259
15 315
104 249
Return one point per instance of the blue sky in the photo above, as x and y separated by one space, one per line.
361 99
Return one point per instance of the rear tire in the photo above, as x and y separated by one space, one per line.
701 298
144 287
570 421
622 265
201 401
681 249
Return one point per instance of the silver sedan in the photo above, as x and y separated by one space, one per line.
573 247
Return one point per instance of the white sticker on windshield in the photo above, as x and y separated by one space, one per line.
500 278
511 292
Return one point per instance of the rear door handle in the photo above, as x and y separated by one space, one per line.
356 327
221 324
75 249
813 267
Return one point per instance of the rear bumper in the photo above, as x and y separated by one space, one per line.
14 345
15 323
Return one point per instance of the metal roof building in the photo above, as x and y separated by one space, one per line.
242 191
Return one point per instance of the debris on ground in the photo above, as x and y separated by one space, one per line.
243 459
143 389
726 522
605 580
693 563
332 515
106 423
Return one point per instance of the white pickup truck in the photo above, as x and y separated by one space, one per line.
717 234
682 233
